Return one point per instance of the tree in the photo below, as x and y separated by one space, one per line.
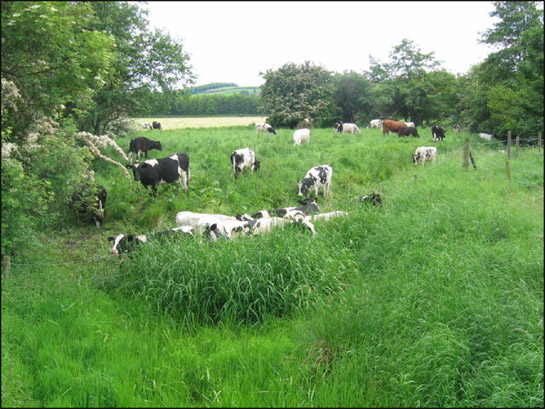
404 83
512 77
52 57
295 92
143 59
351 96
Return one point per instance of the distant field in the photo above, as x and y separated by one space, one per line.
202 122
231 91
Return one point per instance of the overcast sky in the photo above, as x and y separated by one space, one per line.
235 41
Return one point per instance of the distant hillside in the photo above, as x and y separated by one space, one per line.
223 88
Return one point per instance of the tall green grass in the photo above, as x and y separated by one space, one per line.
434 299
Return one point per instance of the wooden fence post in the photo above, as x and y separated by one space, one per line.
465 159
508 144
472 160
6 264
508 168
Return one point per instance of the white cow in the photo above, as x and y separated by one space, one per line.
316 177
409 124
424 153
301 135
375 124
486 136
329 215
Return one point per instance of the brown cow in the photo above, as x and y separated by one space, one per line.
391 126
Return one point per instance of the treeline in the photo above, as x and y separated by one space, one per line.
180 102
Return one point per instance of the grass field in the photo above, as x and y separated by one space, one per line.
434 299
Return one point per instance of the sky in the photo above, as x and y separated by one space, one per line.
236 41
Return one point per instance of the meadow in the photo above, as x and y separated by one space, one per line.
434 299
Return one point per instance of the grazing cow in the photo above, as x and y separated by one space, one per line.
243 158
373 198
424 153
375 124
391 126
456 128
409 124
438 133
156 125
486 136
142 145
407 130
301 135
154 172
346 127
262 127
90 200
146 125
316 177
125 243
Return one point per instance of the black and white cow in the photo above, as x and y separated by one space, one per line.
215 225
263 127
317 177
456 128
156 125
308 206
242 159
90 201
346 127
438 133
424 153
373 198
146 125
154 172
407 130
142 145
125 243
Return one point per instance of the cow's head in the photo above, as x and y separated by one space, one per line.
124 243
416 157
256 165
304 185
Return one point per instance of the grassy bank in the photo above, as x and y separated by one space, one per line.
434 299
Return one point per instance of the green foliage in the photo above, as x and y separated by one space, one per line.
52 57
295 92
352 97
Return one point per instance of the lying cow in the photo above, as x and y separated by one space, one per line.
242 159
373 198
90 201
316 178
308 206
438 133
146 125
215 225
424 153
156 125
329 215
154 172
262 127
407 130
297 218
125 243
301 135
142 145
